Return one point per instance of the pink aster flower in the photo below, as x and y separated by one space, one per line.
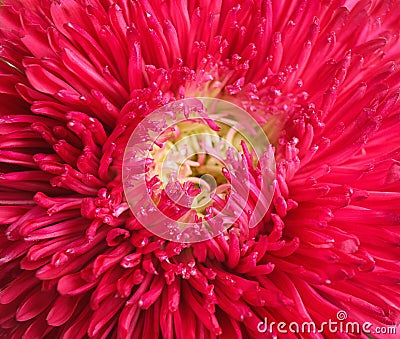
77 77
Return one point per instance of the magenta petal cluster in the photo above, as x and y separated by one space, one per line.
77 76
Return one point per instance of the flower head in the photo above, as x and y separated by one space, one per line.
77 78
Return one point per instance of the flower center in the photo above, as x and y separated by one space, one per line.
193 152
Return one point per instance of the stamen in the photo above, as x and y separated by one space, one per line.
191 149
